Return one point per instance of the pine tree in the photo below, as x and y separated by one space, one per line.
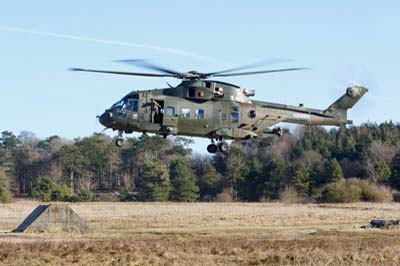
275 179
395 165
382 171
8 140
317 175
301 179
154 183
209 182
333 171
250 183
236 169
183 181
5 195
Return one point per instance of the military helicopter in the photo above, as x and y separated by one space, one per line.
201 107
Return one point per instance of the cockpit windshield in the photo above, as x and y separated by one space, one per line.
119 105
129 103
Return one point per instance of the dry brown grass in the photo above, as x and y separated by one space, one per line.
208 234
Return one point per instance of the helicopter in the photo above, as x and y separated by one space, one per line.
219 111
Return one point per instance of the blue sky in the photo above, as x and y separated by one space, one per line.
340 41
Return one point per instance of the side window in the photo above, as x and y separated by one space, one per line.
192 92
199 113
135 106
170 111
252 114
234 116
185 112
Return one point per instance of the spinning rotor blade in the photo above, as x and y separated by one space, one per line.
265 62
192 75
259 72
148 65
123 73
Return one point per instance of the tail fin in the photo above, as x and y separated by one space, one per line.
348 100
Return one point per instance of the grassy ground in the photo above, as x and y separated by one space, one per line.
208 234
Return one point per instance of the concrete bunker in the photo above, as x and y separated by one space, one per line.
53 218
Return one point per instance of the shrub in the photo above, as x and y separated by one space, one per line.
42 188
396 196
84 195
109 196
126 195
290 195
343 191
61 193
46 190
354 190
373 193
224 196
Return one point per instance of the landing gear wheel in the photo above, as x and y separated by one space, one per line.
212 148
223 147
119 142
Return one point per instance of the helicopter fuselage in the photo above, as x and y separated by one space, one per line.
215 110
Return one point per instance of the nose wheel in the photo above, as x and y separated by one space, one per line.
119 141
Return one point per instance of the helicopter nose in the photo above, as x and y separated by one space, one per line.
106 119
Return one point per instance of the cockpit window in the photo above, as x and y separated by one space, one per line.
130 104
119 104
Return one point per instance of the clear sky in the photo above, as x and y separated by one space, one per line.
340 41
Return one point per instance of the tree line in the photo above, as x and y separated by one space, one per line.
309 164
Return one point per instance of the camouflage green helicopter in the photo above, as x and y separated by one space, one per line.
220 111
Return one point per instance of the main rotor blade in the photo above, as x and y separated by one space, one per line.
266 62
123 73
145 64
259 72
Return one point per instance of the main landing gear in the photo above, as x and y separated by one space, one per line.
220 146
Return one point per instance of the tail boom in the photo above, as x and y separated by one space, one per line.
339 108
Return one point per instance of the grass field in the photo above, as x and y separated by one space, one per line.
208 234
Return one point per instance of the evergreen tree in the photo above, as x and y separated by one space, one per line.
8 140
317 174
382 171
5 195
73 166
236 169
183 181
395 165
210 182
275 179
154 184
45 189
301 179
333 171
250 183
